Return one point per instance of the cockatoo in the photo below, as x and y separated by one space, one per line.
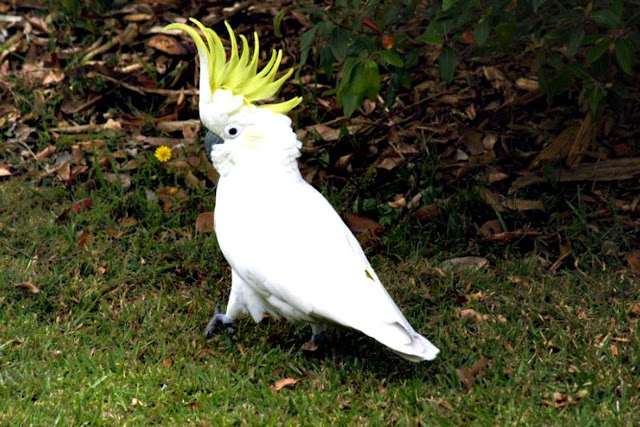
291 255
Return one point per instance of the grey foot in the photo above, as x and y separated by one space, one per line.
219 319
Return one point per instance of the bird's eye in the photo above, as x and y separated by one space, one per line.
231 131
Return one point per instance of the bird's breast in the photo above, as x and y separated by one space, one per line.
250 220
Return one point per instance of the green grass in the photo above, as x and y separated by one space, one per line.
116 334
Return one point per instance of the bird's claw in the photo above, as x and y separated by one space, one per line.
219 319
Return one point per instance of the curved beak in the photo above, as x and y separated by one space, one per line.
210 140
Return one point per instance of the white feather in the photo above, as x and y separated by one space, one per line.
290 252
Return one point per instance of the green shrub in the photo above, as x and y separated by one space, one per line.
577 44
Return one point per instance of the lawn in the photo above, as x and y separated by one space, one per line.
115 333
109 271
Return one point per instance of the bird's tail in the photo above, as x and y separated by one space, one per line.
422 349
405 342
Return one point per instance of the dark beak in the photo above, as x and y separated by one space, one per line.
209 141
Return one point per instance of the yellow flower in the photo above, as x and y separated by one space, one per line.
163 153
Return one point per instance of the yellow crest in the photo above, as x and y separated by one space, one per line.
239 74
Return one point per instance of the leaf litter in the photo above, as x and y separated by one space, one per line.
483 129
491 132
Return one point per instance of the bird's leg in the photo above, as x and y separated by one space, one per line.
219 319
234 307
318 337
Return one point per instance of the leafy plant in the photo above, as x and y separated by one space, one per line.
359 37
584 45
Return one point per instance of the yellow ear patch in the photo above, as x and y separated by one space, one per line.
252 139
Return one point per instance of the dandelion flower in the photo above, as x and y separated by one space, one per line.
163 153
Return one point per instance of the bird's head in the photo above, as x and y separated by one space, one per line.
241 132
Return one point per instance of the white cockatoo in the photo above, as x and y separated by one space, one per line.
291 255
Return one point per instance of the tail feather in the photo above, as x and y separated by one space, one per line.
404 341
422 349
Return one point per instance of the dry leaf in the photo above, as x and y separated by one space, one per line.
477 296
497 176
428 212
560 400
309 346
489 141
168 196
85 240
404 148
327 133
127 221
461 156
471 111
123 179
583 142
114 233
77 103
204 223
53 76
464 263
47 152
509 236
285 382
92 145
82 205
614 350
468 375
29 286
193 182
527 84
112 125
623 150
361 224
557 149
517 280
398 202
343 161
440 272
177 126
523 205
473 143
391 163
5 170
64 172
204 352
137 17
448 99
368 106
471 313
301 134
491 198
167 45
491 227
493 74
605 170
136 402
634 261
